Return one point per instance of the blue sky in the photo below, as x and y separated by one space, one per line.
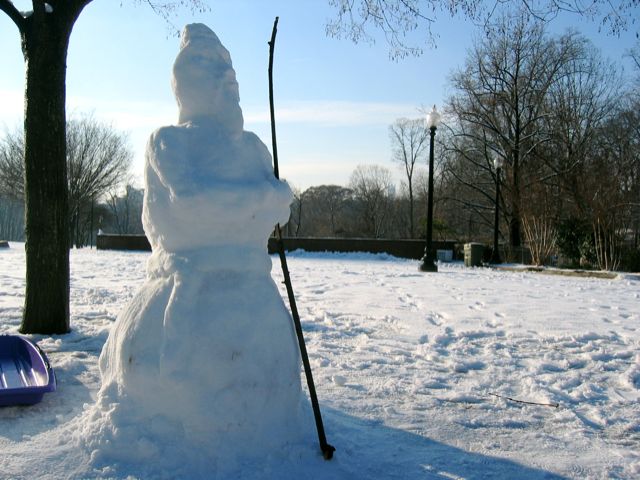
334 100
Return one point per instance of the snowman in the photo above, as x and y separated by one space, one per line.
204 358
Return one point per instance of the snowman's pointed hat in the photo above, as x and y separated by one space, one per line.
204 81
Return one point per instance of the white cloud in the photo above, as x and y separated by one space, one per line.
322 159
304 169
126 114
335 113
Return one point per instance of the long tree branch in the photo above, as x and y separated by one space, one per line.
12 12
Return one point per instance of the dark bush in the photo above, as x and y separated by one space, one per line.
575 240
630 261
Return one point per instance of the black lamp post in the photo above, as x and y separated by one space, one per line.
495 258
428 261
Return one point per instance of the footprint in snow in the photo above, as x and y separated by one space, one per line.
493 323
476 306
465 367
407 299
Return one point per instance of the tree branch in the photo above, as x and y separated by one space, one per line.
12 12
554 405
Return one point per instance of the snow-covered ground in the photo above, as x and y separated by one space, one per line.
419 375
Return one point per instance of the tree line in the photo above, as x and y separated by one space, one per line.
560 117
99 188
565 124
370 206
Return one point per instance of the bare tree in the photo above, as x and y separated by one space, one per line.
373 190
409 140
594 152
634 54
295 223
45 33
323 207
499 102
400 20
126 210
11 188
11 219
578 104
614 181
98 159
12 165
467 182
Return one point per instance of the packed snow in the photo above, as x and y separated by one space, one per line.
204 358
419 375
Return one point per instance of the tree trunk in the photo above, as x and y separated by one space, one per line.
515 232
411 226
44 43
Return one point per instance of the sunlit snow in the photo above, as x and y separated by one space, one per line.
413 371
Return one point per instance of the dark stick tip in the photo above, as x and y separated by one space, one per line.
327 451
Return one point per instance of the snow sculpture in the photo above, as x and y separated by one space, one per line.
204 358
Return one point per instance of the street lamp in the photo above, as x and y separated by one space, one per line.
497 163
428 261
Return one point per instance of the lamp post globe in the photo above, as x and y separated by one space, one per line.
498 162
428 261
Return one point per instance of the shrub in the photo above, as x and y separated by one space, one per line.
575 240
630 260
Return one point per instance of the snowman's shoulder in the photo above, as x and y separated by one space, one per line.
168 137
252 142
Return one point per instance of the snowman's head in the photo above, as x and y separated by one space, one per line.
204 81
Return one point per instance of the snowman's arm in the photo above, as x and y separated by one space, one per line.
166 158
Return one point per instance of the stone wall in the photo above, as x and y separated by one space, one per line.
122 242
399 248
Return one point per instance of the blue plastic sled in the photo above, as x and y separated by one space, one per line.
25 372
